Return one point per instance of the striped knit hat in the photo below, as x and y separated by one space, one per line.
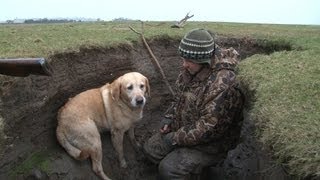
197 46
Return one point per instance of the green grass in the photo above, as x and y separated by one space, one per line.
38 160
34 40
45 39
286 84
287 107
2 135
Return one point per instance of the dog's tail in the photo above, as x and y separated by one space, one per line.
71 149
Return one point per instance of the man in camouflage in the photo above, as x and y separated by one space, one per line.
204 121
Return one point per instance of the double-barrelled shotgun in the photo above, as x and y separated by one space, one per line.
25 66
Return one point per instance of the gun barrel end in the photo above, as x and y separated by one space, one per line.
46 67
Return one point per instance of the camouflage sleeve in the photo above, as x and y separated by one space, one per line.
214 116
169 113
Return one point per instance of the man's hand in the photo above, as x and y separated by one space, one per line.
165 125
168 139
158 146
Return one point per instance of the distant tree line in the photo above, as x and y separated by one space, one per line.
121 19
66 20
45 20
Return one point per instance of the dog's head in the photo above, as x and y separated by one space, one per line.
133 88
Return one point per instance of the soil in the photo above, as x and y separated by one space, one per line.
29 105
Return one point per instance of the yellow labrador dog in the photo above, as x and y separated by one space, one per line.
115 107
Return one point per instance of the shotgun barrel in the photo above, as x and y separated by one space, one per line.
25 66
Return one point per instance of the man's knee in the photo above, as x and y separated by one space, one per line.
164 170
177 166
149 149
168 170
184 163
155 149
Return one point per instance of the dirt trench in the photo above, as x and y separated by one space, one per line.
29 105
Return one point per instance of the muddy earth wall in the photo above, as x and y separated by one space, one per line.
29 105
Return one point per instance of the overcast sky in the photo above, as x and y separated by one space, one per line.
250 11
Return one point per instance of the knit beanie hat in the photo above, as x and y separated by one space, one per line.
197 46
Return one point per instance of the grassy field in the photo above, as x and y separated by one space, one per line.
286 84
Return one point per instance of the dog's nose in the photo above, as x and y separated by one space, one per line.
139 101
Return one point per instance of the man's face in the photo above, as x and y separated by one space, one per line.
192 67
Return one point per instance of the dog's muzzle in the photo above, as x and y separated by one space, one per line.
138 101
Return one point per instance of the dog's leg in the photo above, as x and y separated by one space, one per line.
117 141
134 143
63 140
96 159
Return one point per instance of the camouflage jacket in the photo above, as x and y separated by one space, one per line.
208 108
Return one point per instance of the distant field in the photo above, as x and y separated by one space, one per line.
286 84
42 39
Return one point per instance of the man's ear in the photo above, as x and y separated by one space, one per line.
116 89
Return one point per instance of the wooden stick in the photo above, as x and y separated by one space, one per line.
155 61
182 22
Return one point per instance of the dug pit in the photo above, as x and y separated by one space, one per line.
29 105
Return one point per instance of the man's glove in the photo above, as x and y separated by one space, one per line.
158 146
168 139
165 125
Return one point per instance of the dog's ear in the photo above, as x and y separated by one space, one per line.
147 87
116 89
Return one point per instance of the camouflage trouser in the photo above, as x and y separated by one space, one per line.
179 163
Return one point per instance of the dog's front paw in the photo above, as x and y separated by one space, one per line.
123 164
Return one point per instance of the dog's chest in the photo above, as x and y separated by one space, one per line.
126 120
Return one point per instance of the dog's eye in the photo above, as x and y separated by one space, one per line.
141 86
130 87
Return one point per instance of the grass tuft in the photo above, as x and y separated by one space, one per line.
37 160
271 46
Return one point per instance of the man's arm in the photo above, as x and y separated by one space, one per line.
209 126
216 115
167 120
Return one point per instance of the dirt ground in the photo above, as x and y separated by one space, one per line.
29 105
